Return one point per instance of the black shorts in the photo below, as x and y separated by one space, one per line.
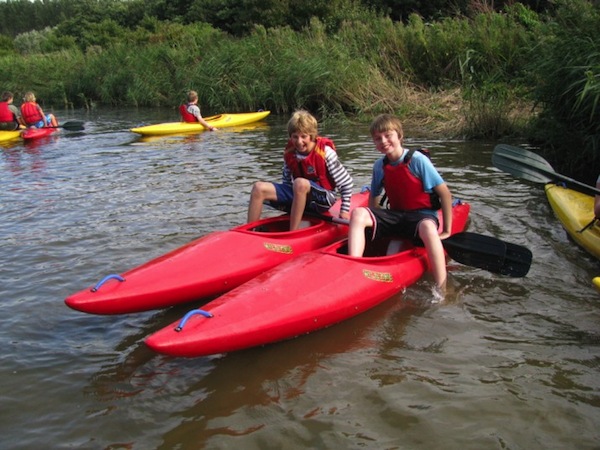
404 224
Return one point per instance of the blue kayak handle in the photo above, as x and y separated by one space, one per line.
193 312
113 276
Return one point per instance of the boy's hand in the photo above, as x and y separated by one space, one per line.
444 235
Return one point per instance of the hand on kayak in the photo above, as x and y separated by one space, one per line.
444 235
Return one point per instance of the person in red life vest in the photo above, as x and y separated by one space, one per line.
415 192
312 173
190 112
10 116
33 115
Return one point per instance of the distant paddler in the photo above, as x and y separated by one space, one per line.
33 115
190 112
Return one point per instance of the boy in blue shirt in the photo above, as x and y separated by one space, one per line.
415 191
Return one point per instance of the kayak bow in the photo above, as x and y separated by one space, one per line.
210 265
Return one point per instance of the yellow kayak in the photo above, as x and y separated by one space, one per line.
218 121
9 135
596 282
575 211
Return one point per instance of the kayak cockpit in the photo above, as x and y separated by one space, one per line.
282 225
380 247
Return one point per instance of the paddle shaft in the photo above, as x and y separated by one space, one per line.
74 125
520 162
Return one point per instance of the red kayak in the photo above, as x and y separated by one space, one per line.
210 265
36 133
312 291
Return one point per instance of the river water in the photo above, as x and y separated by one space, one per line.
503 363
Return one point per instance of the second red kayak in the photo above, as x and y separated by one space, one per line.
210 265
36 133
310 292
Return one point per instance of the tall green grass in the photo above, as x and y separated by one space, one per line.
565 68
479 76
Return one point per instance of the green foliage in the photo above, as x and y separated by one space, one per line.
358 63
49 76
32 42
6 45
565 69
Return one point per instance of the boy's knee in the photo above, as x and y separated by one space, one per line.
427 229
301 185
359 216
257 188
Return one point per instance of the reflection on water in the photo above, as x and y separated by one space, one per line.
509 363
23 161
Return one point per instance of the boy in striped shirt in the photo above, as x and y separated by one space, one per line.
312 173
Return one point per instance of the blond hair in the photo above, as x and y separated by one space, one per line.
29 97
303 122
386 122
192 96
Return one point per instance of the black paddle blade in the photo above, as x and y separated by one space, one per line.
523 164
489 253
73 125
476 250
517 261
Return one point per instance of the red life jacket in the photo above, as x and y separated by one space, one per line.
6 115
31 113
186 116
313 167
404 190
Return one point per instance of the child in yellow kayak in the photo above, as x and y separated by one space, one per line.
312 173
190 112
10 116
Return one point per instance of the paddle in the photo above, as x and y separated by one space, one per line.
73 125
532 167
517 260
478 250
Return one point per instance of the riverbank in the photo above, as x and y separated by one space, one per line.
446 114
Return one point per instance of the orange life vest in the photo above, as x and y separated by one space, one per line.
313 167
31 113
6 115
186 116
404 190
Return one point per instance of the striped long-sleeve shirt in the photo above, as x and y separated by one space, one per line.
343 180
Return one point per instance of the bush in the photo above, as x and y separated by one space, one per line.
565 70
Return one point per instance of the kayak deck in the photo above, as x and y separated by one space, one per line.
218 121
9 135
36 133
575 211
